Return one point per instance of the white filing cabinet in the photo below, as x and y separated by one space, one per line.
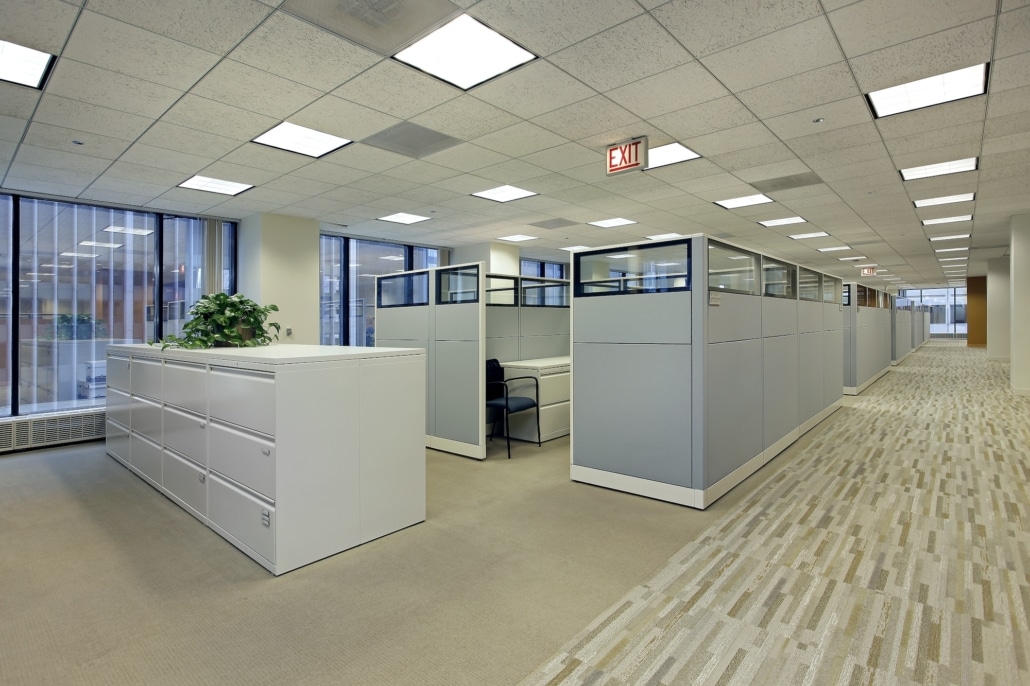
290 452
552 373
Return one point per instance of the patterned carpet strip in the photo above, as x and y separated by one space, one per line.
891 549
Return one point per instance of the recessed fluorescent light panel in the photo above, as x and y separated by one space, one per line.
204 183
783 222
945 200
838 247
464 53
955 85
928 170
814 234
573 248
871 264
517 238
302 140
948 220
612 223
663 236
403 218
504 193
848 259
394 258
743 201
949 238
95 244
24 66
672 153
951 259
79 254
620 256
131 232
950 249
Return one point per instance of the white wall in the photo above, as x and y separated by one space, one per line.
999 304
278 264
500 258
1019 274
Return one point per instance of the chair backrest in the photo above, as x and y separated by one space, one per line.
494 372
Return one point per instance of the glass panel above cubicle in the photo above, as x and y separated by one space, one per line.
652 268
501 291
457 285
809 285
544 293
778 279
403 290
833 290
732 269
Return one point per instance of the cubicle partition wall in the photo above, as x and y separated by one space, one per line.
526 318
920 325
695 362
442 310
901 329
867 337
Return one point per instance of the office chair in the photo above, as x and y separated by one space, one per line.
502 405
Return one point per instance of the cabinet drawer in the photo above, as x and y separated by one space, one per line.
118 407
185 433
118 373
145 378
243 457
554 388
146 457
145 418
243 398
244 516
185 385
186 481
118 441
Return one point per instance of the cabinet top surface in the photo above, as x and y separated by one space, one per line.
539 363
284 353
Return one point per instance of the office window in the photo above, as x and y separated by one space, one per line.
6 300
547 270
330 276
197 259
947 307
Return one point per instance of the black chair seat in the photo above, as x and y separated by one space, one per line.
515 404
500 404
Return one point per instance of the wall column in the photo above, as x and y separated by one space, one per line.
500 258
1019 275
999 307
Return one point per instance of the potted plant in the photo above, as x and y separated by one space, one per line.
226 321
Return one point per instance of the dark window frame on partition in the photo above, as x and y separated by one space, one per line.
515 289
545 283
444 271
756 270
577 285
409 289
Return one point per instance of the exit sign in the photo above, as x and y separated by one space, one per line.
626 156
868 271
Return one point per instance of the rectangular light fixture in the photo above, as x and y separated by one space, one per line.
783 222
204 183
573 248
394 258
949 220
403 218
848 259
464 53
666 264
95 244
672 153
934 90
504 194
951 259
928 170
663 236
301 140
78 254
835 248
132 232
950 249
517 238
620 256
945 200
814 234
871 264
744 201
612 223
949 238
24 66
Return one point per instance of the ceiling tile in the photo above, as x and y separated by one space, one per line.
586 118
729 23
755 156
243 86
730 140
60 160
267 158
837 139
150 156
623 54
19 183
106 182
1011 72
366 158
294 49
850 155
119 47
550 183
564 157
935 155
73 114
671 90
544 27
218 118
532 90
921 58
511 172
105 88
823 85
60 138
131 171
1006 125
183 139
382 185
396 89
872 25
215 25
685 171
466 157
38 24
114 196
846 171
785 53
1017 141
46 174
332 175
12 129
422 172
708 117
931 118
837 115
521 139
465 117
964 134
291 183
428 195
17 101
342 118
772 170
1013 33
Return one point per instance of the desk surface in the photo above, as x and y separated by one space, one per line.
541 364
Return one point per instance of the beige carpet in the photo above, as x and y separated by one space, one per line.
892 549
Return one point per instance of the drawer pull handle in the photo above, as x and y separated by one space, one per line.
266 451
203 425
266 518
202 477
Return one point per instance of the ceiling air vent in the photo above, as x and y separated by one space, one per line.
554 224
786 182
411 140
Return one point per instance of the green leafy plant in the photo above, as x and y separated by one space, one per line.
77 327
226 321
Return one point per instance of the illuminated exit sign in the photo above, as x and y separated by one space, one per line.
626 156
868 271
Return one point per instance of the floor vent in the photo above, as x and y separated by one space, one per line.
37 431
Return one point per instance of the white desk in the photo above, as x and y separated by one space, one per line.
291 453
552 373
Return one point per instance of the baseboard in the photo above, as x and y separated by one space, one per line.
855 390
476 452
1021 391
895 363
999 358
810 424
725 484
680 495
780 445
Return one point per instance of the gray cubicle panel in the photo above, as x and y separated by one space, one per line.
502 333
406 325
901 332
543 332
868 340
833 354
810 355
